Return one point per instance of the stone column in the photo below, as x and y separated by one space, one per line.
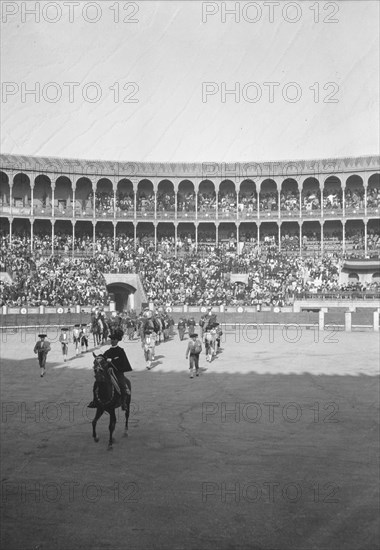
321 188
52 199
52 237
32 198
73 236
31 234
94 201
344 236
74 205
258 235
322 236
114 201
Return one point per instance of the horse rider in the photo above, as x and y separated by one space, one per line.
117 356
77 334
42 348
84 337
64 339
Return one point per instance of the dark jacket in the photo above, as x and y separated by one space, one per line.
122 363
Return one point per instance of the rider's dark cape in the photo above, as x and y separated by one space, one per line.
122 363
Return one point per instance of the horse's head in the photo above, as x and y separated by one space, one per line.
100 367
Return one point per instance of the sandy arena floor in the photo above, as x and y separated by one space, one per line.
274 446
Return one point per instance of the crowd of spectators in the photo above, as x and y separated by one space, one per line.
332 199
311 200
289 201
186 202
125 202
247 203
206 202
227 203
193 277
269 202
354 199
373 197
165 202
145 202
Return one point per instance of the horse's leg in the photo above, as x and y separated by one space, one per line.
128 408
111 427
99 413
126 420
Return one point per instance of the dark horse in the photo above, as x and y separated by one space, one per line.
107 399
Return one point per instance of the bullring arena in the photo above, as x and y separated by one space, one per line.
275 444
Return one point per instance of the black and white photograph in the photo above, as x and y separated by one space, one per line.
189 274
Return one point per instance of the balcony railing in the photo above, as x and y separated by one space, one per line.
245 215
202 215
333 212
186 215
290 214
338 295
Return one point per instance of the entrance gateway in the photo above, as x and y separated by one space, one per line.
127 290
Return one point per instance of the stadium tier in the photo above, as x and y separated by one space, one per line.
306 207
192 234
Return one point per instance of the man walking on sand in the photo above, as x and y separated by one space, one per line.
42 348
194 349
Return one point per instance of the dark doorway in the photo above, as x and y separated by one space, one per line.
120 292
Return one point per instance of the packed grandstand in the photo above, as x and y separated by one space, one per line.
63 229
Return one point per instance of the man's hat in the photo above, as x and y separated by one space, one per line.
64 328
76 326
193 335
42 336
83 325
117 334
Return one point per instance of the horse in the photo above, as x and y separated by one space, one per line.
96 330
107 398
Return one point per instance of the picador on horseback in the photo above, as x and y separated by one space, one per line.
116 357
111 389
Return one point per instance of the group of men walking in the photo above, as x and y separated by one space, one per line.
79 339
211 333
152 329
